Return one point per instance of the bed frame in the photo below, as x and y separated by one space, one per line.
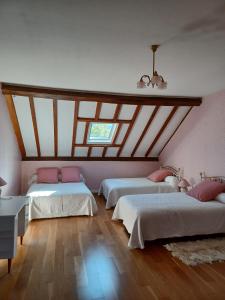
176 172
212 178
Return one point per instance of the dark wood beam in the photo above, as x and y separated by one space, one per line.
89 151
34 121
81 119
76 112
87 125
117 112
176 129
161 130
15 123
55 118
98 111
145 129
104 151
44 92
117 133
82 158
96 145
130 127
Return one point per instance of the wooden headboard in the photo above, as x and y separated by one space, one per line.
212 178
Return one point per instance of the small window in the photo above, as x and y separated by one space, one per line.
101 133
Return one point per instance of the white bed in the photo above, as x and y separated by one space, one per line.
60 200
150 217
113 189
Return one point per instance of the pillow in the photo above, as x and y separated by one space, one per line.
159 175
172 180
33 179
221 197
70 174
47 175
207 190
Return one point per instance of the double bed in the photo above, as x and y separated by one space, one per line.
113 189
60 200
150 217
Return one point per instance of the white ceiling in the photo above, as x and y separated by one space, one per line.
104 45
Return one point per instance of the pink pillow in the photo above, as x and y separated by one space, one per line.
47 175
159 175
70 174
207 190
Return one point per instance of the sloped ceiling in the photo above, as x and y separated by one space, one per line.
104 45
54 124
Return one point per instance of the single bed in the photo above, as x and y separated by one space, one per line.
60 200
150 217
113 189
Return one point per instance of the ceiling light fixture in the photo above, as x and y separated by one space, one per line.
156 79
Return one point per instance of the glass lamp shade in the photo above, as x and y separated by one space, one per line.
2 182
141 84
156 79
162 85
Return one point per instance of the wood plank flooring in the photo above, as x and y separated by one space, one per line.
88 258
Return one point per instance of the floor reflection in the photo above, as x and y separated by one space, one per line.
98 275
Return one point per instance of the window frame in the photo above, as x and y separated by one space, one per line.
108 141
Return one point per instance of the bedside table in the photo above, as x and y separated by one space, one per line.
13 223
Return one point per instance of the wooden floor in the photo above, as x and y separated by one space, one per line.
88 258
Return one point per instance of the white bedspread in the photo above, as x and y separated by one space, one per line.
60 200
150 217
113 189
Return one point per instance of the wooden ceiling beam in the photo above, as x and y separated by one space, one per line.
117 112
81 119
104 151
175 130
89 151
66 94
97 145
15 123
130 127
87 125
168 119
83 158
145 129
34 121
55 118
98 111
76 112
117 132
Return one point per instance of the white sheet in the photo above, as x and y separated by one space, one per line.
150 217
113 189
60 200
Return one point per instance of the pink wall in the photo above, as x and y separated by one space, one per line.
94 171
10 159
199 144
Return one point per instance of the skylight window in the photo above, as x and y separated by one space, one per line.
101 133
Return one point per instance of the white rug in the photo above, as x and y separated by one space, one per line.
199 252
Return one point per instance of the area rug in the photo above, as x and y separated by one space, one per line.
198 252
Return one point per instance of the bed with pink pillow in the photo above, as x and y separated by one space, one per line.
164 180
59 193
156 216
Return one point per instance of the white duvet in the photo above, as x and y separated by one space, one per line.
113 189
150 217
60 200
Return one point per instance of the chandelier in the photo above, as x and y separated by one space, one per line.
155 79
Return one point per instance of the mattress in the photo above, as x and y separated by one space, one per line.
60 200
113 189
150 217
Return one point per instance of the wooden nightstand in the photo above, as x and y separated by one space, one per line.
13 223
